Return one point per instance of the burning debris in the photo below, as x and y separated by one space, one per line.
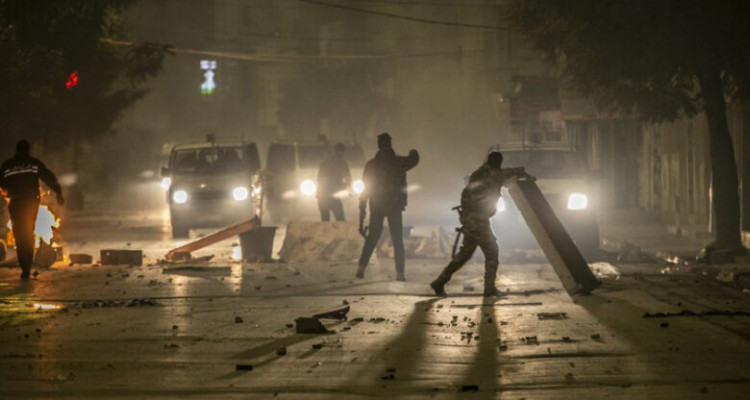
47 251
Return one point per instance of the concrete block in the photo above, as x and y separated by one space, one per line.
120 257
308 241
81 258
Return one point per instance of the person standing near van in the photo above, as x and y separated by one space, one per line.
334 179
384 179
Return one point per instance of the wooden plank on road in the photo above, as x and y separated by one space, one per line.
226 233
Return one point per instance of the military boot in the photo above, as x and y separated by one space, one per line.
361 272
438 285
490 274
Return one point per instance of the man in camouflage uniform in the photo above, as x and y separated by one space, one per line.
478 203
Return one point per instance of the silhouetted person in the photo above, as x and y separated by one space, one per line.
19 177
385 190
478 203
333 181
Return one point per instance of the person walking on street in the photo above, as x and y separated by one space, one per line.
478 203
384 179
19 178
333 180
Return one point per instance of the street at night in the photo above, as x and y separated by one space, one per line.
188 330
375 199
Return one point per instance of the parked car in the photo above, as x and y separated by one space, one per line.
568 187
211 184
291 173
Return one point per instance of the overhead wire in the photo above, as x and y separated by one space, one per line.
405 17
296 57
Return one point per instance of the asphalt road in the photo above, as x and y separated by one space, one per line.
217 330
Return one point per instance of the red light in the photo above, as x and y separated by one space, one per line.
72 80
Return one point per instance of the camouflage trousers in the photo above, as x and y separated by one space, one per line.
477 232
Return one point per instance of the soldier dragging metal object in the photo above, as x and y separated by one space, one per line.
478 203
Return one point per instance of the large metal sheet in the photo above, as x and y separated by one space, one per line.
562 253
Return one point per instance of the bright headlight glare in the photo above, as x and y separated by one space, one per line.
166 182
500 204
577 201
240 193
308 187
180 197
358 186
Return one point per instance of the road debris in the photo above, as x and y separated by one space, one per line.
81 258
310 325
530 340
552 315
688 313
121 257
198 269
339 314
144 302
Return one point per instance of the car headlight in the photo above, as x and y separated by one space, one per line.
180 197
240 193
500 204
166 182
308 187
358 186
577 201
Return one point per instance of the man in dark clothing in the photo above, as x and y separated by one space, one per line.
19 177
333 180
478 203
385 189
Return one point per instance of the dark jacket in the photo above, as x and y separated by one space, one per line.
385 180
333 176
479 197
20 175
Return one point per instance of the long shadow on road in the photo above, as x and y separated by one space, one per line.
397 359
481 379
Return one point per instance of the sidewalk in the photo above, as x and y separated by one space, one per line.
647 232
634 236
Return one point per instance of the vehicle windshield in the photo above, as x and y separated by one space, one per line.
210 160
545 164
